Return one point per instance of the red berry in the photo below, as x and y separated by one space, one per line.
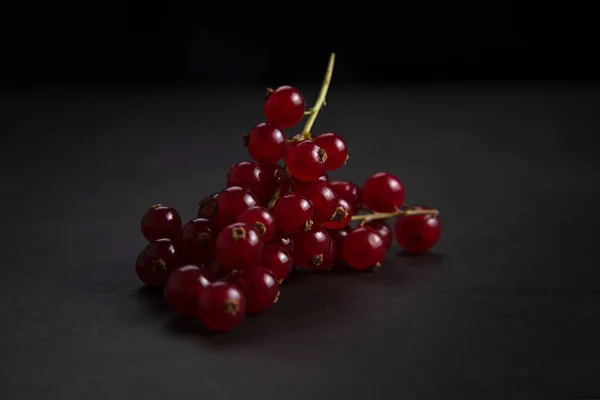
323 199
314 250
417 233
293 213
300 186
198 241
342 215
348 191
363 248
239 246
306 161
383 192
156 262
383 230
218 270
231 203
285 107
184 287
261 220
277 260
282 240
207 207
222 306
338 236
161 222
335 146
248 175
273 175
266 144
259 287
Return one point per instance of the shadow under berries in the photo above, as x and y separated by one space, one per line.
153 298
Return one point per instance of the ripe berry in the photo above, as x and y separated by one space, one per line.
348 191
335 146
277 260
383 230
338 236
261 220
239 246
259 287
248 175
266 144
273 175
314 250
417 233
207 207
282 240
284 107
363 249
300 186
341 217
293 213
184 287
306 161
156 262
323 199
222 306
383 192
197 241
161 222
231 203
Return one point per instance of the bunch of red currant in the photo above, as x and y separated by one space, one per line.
248 238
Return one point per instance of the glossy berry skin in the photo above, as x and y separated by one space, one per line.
222 306
184 287
239 246
250 176
363 249
342 215
277 260
198 241
314 250
285 107
260 288
348 191
231 203
273 176
261 220
266 144
207 206
300 186
306 161
338 236
161 222
324 200
337 151
293 213
417 233
155 263
383 230
383 192
282 240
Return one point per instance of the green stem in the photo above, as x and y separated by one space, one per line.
313 112
387 215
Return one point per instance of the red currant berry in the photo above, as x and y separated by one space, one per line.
383 230
323 199
184 287
282 240
363 249
266 144
157 261
313 250
239 246
218 270
231 203
306 161
293 213
207 207
300 186
261 220
383 192
335 146
161 222
222 306
348 191
197 241
273 175
278 261
285 107
338 236
259 287
417 233
248 175
341 217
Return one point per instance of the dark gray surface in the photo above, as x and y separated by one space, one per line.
506 307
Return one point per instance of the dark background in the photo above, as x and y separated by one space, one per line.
488 112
